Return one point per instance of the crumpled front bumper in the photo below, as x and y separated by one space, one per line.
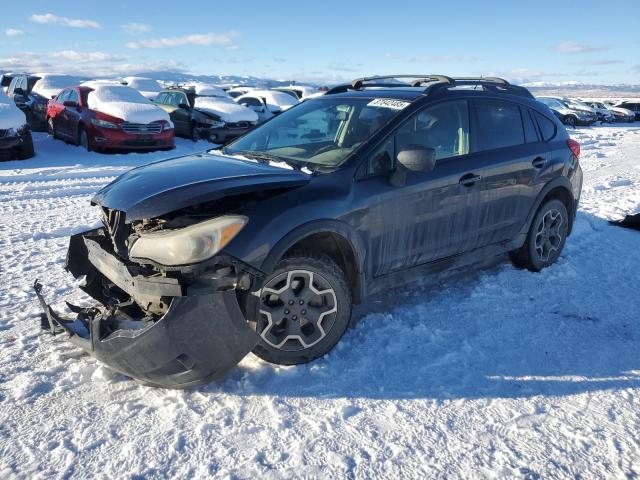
201 336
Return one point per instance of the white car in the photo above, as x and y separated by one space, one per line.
15 134
267 103
146 86
604 112
302 92
235 92
51 84
622 114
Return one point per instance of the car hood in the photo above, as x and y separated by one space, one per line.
228 111
10 115
622 110
169 185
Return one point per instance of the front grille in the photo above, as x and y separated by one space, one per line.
117 229
139 143
141 128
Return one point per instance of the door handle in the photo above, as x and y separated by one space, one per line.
469 179
539 162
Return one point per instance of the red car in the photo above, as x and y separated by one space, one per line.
109 117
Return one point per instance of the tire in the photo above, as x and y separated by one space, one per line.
26 150
570 120
290 292
546 238
83 139
193 133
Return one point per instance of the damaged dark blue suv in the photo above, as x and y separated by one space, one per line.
266 244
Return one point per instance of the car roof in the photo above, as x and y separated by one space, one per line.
403 93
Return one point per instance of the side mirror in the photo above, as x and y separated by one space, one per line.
183 105
70 103
414 158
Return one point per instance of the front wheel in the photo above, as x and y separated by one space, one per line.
570 120
546 238
26 149
83 140
303 309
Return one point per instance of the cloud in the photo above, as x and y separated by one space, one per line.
602 61
97 64
75 56
225 39
523 75
13 32
635 69
136 28
50 18
573 47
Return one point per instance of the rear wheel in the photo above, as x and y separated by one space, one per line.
193 133
570 120
546 238
303 310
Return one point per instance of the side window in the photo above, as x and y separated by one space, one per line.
381 162
530 133
443 127
64 95
182 99
73 96
161 98
250 102
499 125
547 127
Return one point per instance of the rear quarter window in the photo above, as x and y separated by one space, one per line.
530 132
547 126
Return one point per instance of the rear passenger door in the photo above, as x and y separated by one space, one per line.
510 156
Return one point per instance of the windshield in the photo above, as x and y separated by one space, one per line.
113 93
321 132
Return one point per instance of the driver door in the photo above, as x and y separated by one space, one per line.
435 214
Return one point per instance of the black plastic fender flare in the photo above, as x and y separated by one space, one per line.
323 226
562 182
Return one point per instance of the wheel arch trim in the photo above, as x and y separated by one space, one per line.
328 226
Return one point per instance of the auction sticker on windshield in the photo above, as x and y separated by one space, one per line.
388 103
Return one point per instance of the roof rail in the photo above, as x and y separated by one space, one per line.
435 83
359 83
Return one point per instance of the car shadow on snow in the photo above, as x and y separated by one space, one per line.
496 332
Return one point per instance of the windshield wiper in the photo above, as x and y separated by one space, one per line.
264 157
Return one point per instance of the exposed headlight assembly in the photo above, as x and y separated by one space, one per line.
188 245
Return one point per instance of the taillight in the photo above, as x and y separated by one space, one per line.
574 147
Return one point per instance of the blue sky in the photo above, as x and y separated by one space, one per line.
587 41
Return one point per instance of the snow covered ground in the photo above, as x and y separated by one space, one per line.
490 373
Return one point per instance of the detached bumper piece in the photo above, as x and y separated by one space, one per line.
198 339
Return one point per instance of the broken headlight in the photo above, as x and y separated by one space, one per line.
191 244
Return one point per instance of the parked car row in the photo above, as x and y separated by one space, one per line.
573 111
137 113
